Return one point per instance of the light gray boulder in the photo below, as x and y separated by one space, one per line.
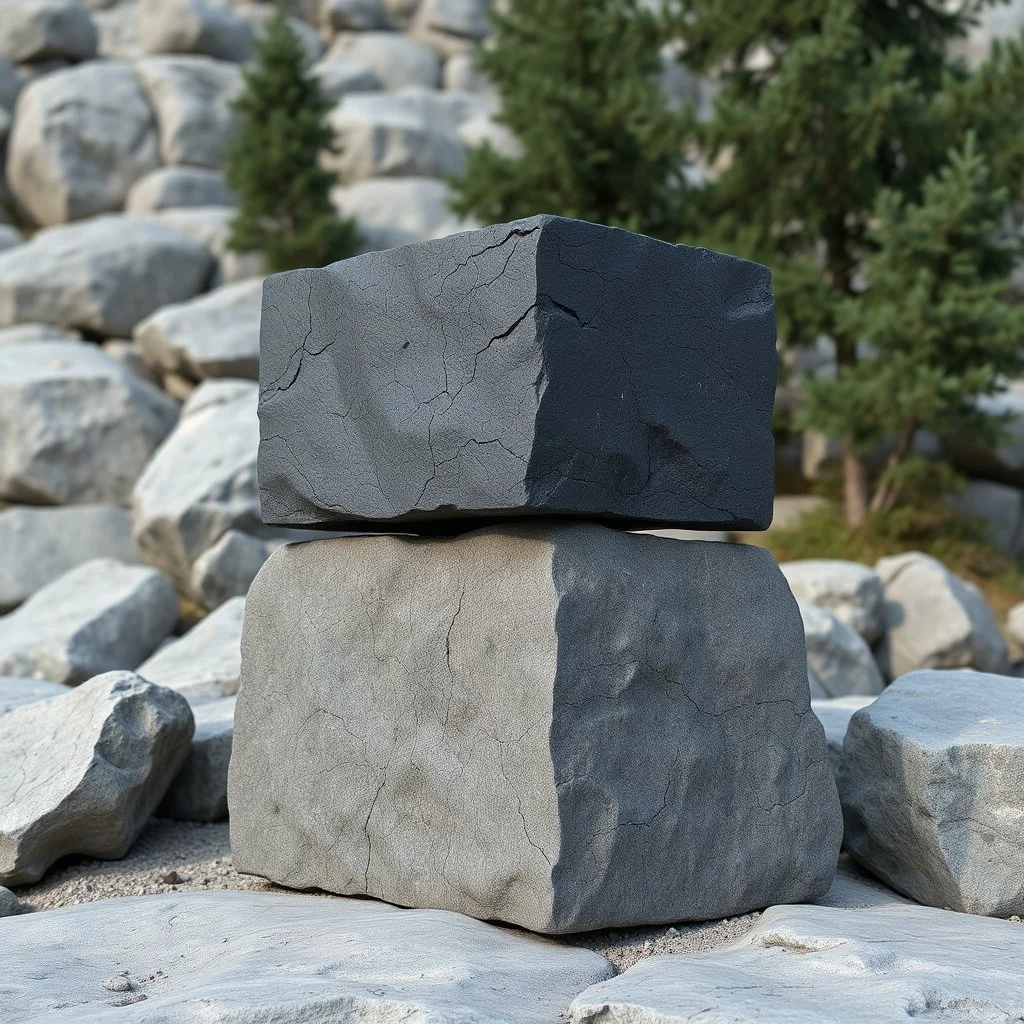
460 74
399 211
1000 508
37 332
179 187
352 16
85 771
401 12
199 791
853 593
932 785
192 98
204 665
76 427
99 617
35 30
934 619
395 60
39 544
835 713
226 570
339 76
193 26
451 26
214 335
1015 623
15 692
118 29
81 138
103 275
211 225
809 965
841 660
128 355
654 727
202 481
9 903
9 236
233 955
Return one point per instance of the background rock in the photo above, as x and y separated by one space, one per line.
177 187
33 30
193 26
227 569
834 715
14 692
199 791
395 60
840 659
853 593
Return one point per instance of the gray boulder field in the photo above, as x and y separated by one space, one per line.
175 188
511 369
248 956
84 772
37 30
932 786
96 618
395 60
839 658
809 965
193 26
563 763
853 593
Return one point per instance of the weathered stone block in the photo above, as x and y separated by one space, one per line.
564 727
548 366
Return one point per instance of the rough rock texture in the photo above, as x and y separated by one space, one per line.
935 619
200 790
103 275
202 480
205 663
75 426
853 593
193 26
835 714
99 617
395 60
227 569
192 97
513 369
290 959
648 756
840 659
172 188
81 138
14 692
39 544
214 335
932 786
809 965
82 774
35 30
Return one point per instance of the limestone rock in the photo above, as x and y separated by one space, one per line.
199 791
352 15
841 660
81 138
451 26
39 544
84 772
36 332
179 187
513 369
808 965
210 225
853 593
233 955
118 31
193 26
835 713
461 75
202 481
655 727
128 355
96 618
103 275
75 425
9 903
226 570
214 335
204 665
339 76
1015 623
14 692
932 785
935 619
192 98
395 60
34 30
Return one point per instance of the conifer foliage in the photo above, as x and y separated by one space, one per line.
272 163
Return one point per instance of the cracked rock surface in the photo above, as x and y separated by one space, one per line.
932 784
561 726
547 366
809 965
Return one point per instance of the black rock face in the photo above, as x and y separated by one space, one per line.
545 367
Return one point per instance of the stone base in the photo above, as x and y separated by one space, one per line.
562 727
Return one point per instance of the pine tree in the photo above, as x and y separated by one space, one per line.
285 210
580 91
827 109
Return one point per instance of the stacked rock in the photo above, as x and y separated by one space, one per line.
548 721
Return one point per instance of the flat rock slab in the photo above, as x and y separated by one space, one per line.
932 784
290 959
547 366
81 774
15 692
97 618
563 727
811 965
199 791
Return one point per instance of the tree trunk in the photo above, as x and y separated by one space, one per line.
855 486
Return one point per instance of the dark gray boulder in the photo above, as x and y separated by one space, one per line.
548 366
564 727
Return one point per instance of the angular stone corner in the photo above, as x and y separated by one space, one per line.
563 727
547 366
